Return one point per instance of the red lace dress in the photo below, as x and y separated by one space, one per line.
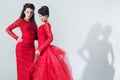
25 50
52 63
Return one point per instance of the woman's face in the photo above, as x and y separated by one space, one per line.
28 13
43 18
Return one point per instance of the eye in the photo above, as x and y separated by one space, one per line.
31 12
39 15
27 11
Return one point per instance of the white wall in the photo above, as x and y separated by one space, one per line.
83 28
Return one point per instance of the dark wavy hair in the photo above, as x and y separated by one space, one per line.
31 6
44 10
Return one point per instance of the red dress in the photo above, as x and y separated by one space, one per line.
25 50
52 63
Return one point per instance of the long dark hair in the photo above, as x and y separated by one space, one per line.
31 6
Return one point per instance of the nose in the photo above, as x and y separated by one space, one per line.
29 14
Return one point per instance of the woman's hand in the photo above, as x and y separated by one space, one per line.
37 53
19 39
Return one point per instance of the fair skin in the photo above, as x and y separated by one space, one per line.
44 19
28 14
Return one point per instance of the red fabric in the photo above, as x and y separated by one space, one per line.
52 63
25 50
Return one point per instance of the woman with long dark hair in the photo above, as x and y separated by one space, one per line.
51 63
25 48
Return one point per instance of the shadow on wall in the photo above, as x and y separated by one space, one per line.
95 52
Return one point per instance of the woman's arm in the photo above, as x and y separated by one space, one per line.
11 27
49 37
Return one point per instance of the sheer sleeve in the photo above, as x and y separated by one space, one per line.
49 37
11 27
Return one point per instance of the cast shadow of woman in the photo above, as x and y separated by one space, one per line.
98 66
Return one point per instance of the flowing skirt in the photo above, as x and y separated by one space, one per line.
51 64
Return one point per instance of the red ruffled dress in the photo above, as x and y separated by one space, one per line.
25 50
52 63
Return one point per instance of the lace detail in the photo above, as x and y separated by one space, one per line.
13 26
49 37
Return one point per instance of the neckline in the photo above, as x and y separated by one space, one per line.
25 20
